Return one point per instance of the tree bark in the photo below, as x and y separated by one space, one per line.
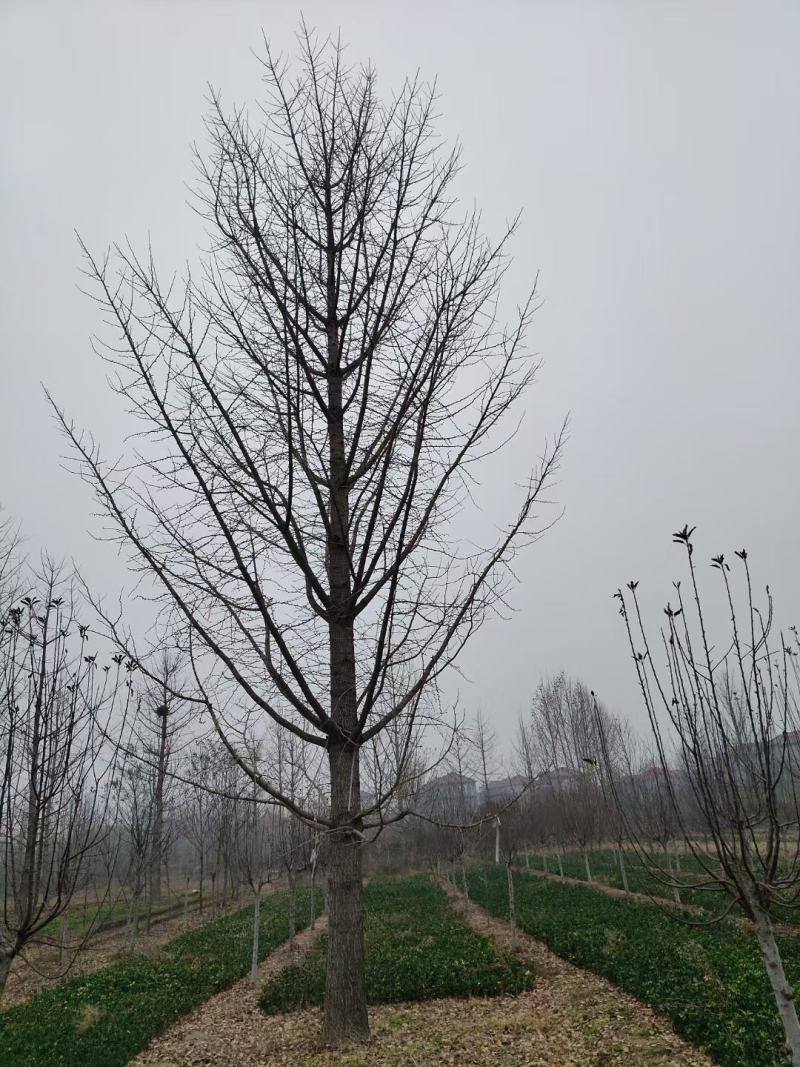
313 900
781 990
158 812
512 911
292 909
345 988
256 932
201 882
346 1016
623 871
6 959
588 868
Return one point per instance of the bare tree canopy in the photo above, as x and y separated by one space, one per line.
312 404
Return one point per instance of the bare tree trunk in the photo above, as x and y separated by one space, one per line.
497 840
256 932
345 990
527 858
781 990
544 859
346 1015
676 893
158 813
586 865
512 911
6 959
560 866
623 871
313 904
464 877
292 909
133 928
201 881
62 939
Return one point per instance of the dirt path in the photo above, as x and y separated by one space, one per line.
229 1028
569 1019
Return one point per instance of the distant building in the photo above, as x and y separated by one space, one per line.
449 795
503 790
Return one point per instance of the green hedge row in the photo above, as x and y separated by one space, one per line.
604 865
104 1019
709 980
417 949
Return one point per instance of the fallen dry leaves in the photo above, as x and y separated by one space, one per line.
569 1019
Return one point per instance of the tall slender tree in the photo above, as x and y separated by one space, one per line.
316 400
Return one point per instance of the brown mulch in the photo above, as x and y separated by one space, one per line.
569 1019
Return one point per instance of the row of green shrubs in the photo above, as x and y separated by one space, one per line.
417 949
605 868
104 1019
709 980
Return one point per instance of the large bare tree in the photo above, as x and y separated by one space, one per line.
313 403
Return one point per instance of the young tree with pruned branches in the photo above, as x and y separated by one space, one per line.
56 771
723 718
317 398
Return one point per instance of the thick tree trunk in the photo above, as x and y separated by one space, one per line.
346 1016
588 868
345 989
781 990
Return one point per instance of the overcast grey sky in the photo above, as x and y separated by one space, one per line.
655 150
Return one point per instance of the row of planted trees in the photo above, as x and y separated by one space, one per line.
111 797
705 798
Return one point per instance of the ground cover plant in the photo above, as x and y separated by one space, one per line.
103 1019
605 868
95 916
417 949
709 980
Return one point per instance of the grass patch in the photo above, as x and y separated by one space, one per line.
104 1019
417 949
709 980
